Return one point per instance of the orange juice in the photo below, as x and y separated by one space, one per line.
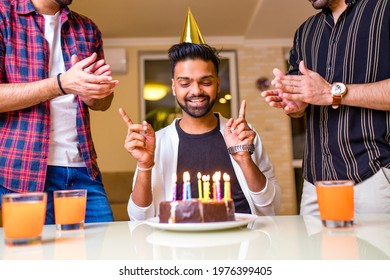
69 210
335 200
23 219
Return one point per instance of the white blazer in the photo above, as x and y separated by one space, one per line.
263 203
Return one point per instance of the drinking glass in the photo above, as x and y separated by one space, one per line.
335 200
69 209
23 217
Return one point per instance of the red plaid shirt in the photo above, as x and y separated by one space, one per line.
24 57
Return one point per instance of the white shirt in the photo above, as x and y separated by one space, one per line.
63 150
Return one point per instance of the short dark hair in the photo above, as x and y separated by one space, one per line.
183 51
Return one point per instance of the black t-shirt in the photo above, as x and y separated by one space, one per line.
207 153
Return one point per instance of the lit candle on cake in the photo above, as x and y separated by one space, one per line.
200 185
218 185
206 187
183 193
174 180
186 186
214 185
227 190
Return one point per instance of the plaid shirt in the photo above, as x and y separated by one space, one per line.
24 57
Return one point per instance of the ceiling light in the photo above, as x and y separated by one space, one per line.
222 100
153 92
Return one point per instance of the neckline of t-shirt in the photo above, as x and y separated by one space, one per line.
182 133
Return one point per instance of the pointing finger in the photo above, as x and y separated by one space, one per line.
241 114
125 117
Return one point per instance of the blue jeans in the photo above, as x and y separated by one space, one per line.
67 178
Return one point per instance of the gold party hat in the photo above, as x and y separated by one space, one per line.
191 32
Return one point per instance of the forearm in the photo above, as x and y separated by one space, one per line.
142 191
264 191
373 95
18 96
253 176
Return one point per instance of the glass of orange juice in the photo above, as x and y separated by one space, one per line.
23 217
69 209
335 200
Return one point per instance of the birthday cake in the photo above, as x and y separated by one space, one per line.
196 211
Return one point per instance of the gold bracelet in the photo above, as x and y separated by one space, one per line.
145 169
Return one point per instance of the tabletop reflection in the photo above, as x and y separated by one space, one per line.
279 237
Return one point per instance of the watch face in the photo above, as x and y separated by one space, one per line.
338 88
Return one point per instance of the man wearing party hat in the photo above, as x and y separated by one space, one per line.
202 141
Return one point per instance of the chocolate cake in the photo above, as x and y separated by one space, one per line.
196 211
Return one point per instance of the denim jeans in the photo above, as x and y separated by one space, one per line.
68 178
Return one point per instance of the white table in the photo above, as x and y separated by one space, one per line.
273 238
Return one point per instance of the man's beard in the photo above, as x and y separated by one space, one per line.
320 4
197 112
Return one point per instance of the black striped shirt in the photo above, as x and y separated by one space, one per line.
349 142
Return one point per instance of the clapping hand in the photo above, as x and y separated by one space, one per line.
89 78
277 99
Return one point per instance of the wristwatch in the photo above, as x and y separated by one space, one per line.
241 148
338 90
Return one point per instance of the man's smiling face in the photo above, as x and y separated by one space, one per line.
195 85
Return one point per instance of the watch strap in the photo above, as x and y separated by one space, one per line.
241 148
336 101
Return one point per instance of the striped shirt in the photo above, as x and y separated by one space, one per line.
349 142
24 57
